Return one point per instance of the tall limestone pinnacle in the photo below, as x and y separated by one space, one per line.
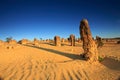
72 40
57 41
89 46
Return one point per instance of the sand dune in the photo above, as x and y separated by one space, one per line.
48 62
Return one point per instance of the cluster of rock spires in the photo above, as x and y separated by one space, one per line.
89 45
57 40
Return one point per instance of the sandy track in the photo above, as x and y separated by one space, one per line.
50 63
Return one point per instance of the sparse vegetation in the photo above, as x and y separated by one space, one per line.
8 39
100 59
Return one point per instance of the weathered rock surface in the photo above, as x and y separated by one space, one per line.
89 46
72 40
57 41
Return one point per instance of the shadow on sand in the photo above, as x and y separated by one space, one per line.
69 55
51 44
62 44
111 63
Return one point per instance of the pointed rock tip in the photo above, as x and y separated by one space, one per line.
84 21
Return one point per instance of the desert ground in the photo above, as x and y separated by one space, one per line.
48 62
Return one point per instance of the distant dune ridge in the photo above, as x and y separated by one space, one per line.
58 60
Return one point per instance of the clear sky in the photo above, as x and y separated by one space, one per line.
46 18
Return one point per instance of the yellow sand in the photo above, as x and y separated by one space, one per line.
48 62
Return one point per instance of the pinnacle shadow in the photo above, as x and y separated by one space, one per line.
69 55
111 63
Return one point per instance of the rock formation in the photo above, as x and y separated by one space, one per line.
57 41
36 41
23 41
47 40
89 46
63 40
98 38
99 41
79 40
12 42
72 40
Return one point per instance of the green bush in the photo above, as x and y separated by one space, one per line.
100 59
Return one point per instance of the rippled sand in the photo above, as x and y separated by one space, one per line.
48 62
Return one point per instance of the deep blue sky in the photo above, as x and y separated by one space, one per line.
47 18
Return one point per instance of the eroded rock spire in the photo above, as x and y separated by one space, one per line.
89 46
